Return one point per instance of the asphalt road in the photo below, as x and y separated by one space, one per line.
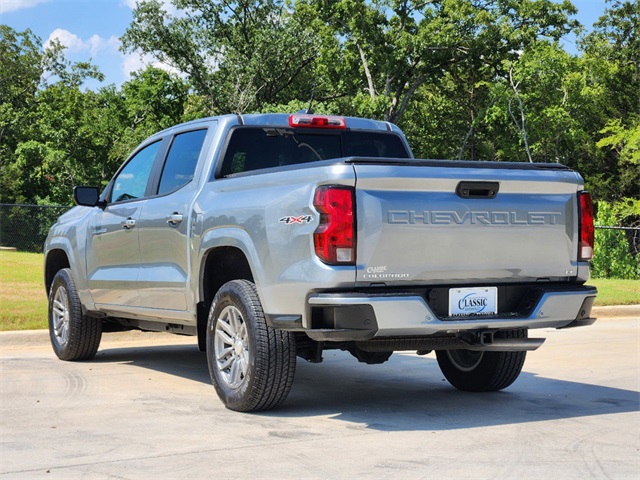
145 408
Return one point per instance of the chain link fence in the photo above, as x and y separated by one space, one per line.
25 227
633 236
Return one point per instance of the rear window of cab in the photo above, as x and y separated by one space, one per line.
254 148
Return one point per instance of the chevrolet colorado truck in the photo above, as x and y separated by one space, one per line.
274 236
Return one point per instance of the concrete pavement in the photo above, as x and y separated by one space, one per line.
145 408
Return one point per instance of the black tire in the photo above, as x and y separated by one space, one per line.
251 364
472 371
74 336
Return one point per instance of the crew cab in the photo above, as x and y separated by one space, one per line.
270 237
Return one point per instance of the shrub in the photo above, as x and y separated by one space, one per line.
613 257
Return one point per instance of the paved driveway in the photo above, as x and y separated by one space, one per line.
145 408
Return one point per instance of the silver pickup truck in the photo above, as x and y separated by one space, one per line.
275 236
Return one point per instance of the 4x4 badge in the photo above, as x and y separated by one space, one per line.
301 219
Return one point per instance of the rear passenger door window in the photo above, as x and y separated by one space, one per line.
181 161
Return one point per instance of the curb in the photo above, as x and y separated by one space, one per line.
38 338
617 311
33 338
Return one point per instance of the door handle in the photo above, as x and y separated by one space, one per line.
128 224
174 219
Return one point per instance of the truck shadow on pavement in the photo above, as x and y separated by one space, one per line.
412 394
408 393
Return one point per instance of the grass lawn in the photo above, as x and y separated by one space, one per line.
612 291
23 302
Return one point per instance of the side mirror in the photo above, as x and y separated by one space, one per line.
86 196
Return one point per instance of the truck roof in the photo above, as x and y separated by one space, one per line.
281 120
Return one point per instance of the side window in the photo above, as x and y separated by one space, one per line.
181 161
132 180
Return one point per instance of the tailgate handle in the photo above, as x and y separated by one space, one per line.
477 189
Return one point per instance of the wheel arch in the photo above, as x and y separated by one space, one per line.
219 265
56 260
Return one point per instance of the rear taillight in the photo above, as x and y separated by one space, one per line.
317 121
334 239
585 215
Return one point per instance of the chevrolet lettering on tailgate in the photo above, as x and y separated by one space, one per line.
412 217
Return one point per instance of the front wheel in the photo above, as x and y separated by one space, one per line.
74 336
473 371
251 365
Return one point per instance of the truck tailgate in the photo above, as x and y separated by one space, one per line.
442 223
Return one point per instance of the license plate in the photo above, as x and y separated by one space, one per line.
473 301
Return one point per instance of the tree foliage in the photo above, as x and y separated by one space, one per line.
613 258
20 74
238 55
391 49
467 79
54 134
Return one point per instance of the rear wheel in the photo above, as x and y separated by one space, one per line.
251 365
74 336
473 371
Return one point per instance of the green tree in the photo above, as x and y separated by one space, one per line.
612 69
151 101
20 72
464 79
83 137
54 134
390 49
61 151
612 258
538 109
239 55
27 71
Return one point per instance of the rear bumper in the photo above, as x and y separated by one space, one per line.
356 316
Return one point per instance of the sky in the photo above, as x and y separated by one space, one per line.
91 30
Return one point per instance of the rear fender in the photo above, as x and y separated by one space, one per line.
229 237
